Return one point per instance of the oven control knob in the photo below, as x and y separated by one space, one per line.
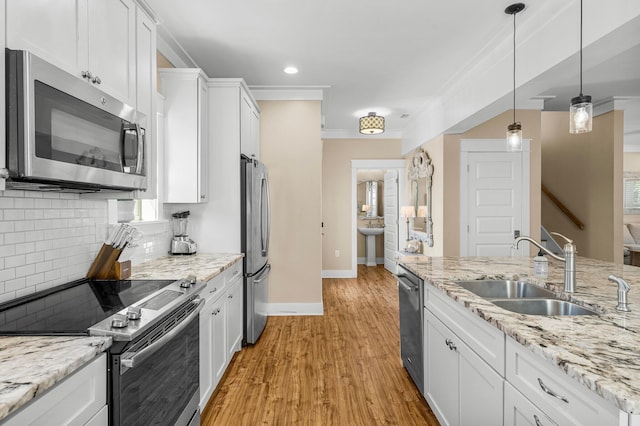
134 312
185 283
119 321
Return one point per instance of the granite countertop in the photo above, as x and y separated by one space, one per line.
204 266
29 365
602 352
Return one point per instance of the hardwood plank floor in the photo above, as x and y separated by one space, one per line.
342 368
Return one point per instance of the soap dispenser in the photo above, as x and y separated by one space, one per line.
540 266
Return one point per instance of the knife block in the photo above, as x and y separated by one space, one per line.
106 266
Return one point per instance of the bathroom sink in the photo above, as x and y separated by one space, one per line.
504 289
546 307
371 231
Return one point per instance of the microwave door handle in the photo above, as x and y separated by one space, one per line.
140 138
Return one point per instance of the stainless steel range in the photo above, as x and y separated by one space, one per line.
153 365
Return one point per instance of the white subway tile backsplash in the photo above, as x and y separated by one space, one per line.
13 261
23 203
25 248
14 214
47 239
25 271
14 237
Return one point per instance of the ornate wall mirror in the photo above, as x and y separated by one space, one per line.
420 175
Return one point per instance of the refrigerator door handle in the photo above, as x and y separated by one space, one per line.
265 228
262 275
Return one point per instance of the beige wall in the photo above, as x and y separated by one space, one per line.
585 173
161 62
337 210
291 148
450 152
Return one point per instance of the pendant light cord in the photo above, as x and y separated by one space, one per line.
514 68
581 48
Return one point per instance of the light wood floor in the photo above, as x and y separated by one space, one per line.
342 368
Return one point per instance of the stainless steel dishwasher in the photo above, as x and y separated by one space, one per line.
411 296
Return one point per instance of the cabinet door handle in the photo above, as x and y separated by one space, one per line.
96 80
535 417
451 345
86 74
550 392
231 296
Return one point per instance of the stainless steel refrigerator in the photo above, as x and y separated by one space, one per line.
256 229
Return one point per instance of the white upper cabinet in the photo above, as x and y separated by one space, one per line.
111 47
249 126
146 99
186 139
92 39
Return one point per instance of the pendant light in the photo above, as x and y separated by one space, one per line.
514 130
371 124
581 108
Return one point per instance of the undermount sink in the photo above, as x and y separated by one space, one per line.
371 231
523 298
546 307
504 289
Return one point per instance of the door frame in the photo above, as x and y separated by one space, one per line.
368 164
468 146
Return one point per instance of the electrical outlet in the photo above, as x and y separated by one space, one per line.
337 253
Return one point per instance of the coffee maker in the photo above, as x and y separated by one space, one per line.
181 243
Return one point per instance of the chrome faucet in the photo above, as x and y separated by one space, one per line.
623 289
569 259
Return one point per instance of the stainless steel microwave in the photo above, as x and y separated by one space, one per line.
66 134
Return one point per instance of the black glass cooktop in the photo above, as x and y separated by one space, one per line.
70 309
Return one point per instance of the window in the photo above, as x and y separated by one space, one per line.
631 193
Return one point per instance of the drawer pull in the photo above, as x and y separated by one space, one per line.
550 392
451 345
214 290
535 417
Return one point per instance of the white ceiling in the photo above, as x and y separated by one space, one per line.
375 55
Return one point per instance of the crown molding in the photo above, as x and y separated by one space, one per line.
288 93
354 134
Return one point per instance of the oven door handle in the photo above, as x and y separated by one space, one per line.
150 350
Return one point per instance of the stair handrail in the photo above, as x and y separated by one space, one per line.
563 208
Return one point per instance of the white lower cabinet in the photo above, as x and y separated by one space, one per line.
460 387
519 411
234 313
563 401
475 375
80 399
220 335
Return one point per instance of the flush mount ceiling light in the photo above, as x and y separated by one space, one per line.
371 124
581 108
514 130
291 70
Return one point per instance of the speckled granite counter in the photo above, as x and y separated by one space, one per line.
29 365
203 266
600 352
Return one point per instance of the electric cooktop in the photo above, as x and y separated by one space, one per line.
70 309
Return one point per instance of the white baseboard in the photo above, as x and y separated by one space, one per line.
293 309
363 260
337 273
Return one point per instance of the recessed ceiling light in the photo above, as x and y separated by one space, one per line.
291 70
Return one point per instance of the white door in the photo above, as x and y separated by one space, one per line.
390 220
495 201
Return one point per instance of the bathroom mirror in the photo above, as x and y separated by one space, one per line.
371 198
420 175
